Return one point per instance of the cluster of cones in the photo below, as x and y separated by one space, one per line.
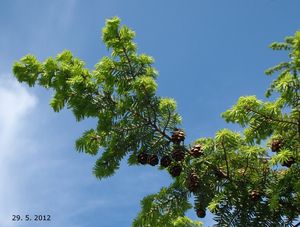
144 158
165 161
172 162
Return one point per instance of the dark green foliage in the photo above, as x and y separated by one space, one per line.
230 174
164 208
89 142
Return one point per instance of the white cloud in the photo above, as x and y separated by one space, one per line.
40 173
15 104
36 166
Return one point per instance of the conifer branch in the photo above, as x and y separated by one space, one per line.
297 225
140 120
147 121
126 56
166 125
168 120
153 125
269 117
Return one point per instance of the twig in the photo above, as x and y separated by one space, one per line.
225 156
270 118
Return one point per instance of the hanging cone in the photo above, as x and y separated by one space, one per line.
178 136
196 151
153 160
178 155
276 145
200 213
193 177
165 161
192 182
143 158
175 170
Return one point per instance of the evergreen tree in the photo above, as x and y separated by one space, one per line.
242 182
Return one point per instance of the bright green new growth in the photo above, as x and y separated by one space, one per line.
120 92
156 213
236 178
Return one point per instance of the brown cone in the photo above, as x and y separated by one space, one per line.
276 145
200 213
178 155
165 161
175 170
193 177
196 151
153 160
143 158
192 182
178 136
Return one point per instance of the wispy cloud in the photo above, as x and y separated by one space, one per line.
39 171
15 104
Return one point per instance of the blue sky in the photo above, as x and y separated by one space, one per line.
208 53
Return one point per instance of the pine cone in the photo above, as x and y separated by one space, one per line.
165 161
143 158
193 177
196 151
178 155
276 145
178 136
192 182
153 160
255 195
200 213
289 162
175 170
